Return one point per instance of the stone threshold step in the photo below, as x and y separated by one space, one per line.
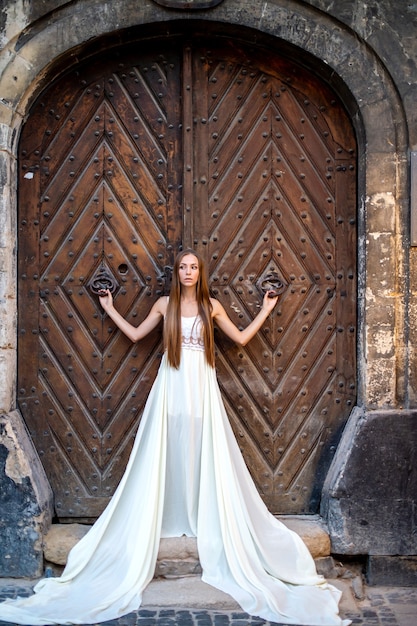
178 556
181 593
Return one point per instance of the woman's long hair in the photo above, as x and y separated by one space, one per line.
172 328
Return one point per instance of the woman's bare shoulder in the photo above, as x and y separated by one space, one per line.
161 305
216 307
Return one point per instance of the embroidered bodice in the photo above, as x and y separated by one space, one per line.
191 333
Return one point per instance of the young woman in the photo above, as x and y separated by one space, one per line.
186 476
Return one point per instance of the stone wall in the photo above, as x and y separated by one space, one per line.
25 501
370 493
368 53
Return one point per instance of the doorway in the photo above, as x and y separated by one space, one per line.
236 151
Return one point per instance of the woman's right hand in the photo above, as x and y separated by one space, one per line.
135 333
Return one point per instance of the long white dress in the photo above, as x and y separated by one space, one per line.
185 475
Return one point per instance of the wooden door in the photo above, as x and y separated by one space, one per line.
237 153
276 194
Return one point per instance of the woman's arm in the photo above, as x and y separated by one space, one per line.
241 337
135 333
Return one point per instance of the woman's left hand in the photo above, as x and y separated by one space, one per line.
105 298
269 301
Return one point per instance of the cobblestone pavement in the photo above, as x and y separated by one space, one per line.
381 606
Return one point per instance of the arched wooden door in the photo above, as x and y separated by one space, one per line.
239 153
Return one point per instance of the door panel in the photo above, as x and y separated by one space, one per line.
238 153
280 153
104 196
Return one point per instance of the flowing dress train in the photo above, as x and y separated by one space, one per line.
185 475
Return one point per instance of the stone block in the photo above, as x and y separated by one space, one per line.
25 501
326 566
312 531
178 556
60 539
370 495
178 548
177 568
190 592
392 571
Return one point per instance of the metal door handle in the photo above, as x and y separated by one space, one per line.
271 282
102 281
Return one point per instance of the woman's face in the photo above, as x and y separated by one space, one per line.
188 271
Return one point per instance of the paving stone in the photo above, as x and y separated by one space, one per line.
386 606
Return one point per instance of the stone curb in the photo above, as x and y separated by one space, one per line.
178 556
